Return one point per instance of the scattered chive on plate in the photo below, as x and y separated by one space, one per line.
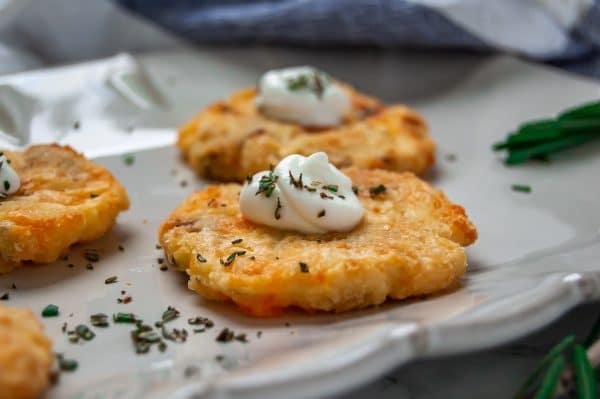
541 138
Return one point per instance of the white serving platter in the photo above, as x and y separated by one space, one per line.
537 256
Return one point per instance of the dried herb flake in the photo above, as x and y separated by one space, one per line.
99 320
170 314
111 280
129 159
377 190
278 207
229 260
66 364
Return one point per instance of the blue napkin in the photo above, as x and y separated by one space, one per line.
549 30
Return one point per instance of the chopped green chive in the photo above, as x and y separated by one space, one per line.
50 311
73 337
587 110
91 255
375 191
321 213
522 188
4 297
145 334
6 185
303 267
249 179
162 346
200 258
314 82
204 321
99 320
297 83
111 280
66 364
149 336
175 335
129 159
170 314
237 241
539 139
84 332
141 347
143 337
229 260
331 187
124 318
266 184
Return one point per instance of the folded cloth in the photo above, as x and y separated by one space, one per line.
541 29
33 34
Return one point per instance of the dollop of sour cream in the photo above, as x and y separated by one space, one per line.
303 95
304 194
9 180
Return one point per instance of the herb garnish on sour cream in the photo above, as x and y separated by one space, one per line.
303 194
302 95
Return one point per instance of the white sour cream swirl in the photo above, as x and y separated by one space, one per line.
303 95
9 180
323 203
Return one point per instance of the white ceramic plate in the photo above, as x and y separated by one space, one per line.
538 254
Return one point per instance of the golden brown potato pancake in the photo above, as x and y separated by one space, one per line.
232 139
63 199
409 243
25 355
